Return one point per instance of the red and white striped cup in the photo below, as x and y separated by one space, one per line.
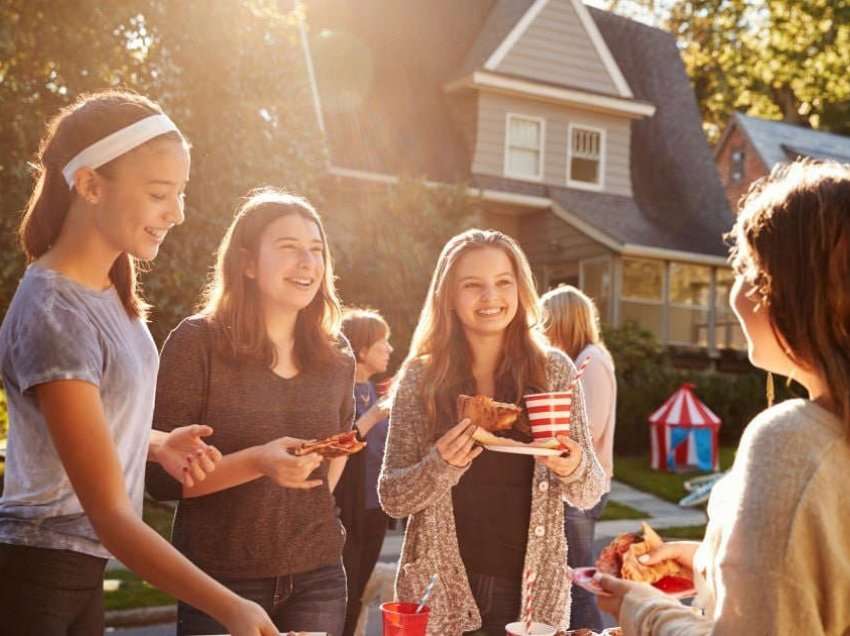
549 414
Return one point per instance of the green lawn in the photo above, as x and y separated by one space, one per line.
695 533
636 472
133 593
614 510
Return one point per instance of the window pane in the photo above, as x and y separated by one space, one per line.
524 162
648 317
689 326
643 279
585 170
690 284
525 134
586 143
597 284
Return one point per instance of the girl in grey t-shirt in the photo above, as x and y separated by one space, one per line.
79 369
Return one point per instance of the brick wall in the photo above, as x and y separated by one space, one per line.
753 168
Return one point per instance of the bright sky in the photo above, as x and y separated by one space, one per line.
633 11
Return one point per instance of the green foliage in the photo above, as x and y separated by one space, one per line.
386 245
646 378
231 75
778 59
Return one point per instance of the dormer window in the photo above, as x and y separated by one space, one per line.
524 147
585 157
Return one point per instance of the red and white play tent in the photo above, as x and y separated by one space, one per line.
683 433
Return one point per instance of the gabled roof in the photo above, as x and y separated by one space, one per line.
777 141
404 123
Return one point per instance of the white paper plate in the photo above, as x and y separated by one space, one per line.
524 450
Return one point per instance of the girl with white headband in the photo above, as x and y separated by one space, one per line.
79 369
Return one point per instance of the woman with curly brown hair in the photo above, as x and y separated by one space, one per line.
776 555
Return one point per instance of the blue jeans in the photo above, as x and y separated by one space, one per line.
580 526
310 602
499 602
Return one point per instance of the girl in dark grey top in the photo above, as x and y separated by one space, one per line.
264 365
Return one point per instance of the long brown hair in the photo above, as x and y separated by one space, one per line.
440 344
791 242
90 118
572 320
231 300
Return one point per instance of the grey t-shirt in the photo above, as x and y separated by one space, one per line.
56 329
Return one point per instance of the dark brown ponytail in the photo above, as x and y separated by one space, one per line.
90 118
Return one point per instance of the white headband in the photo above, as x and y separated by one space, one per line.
114 145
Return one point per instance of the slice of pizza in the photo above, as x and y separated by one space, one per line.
334 446
620 557
487 413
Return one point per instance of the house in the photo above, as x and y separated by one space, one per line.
750 147
577 128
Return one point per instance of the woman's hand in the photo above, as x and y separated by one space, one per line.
565 464
456 446
184 455
680 551
615 590
274 460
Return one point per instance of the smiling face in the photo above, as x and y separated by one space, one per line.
289 264
140 198
485 291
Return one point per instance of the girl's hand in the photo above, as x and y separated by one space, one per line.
560 465
185 456
276 462
615 590
680 551
249 619
456 446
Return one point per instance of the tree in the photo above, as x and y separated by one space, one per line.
231 75
391 271
779 59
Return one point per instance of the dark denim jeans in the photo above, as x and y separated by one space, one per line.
498 599
580 527
47 592
309 602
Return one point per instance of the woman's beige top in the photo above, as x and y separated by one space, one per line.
776 553
600 395
415 481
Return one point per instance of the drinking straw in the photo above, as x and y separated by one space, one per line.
530 577
426 594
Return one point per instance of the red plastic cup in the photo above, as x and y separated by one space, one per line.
549 414
401 619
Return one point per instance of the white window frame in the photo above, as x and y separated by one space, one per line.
506 165
603 145
703 308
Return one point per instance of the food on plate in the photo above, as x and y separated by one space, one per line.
620 558
334 446
488 439
486 413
